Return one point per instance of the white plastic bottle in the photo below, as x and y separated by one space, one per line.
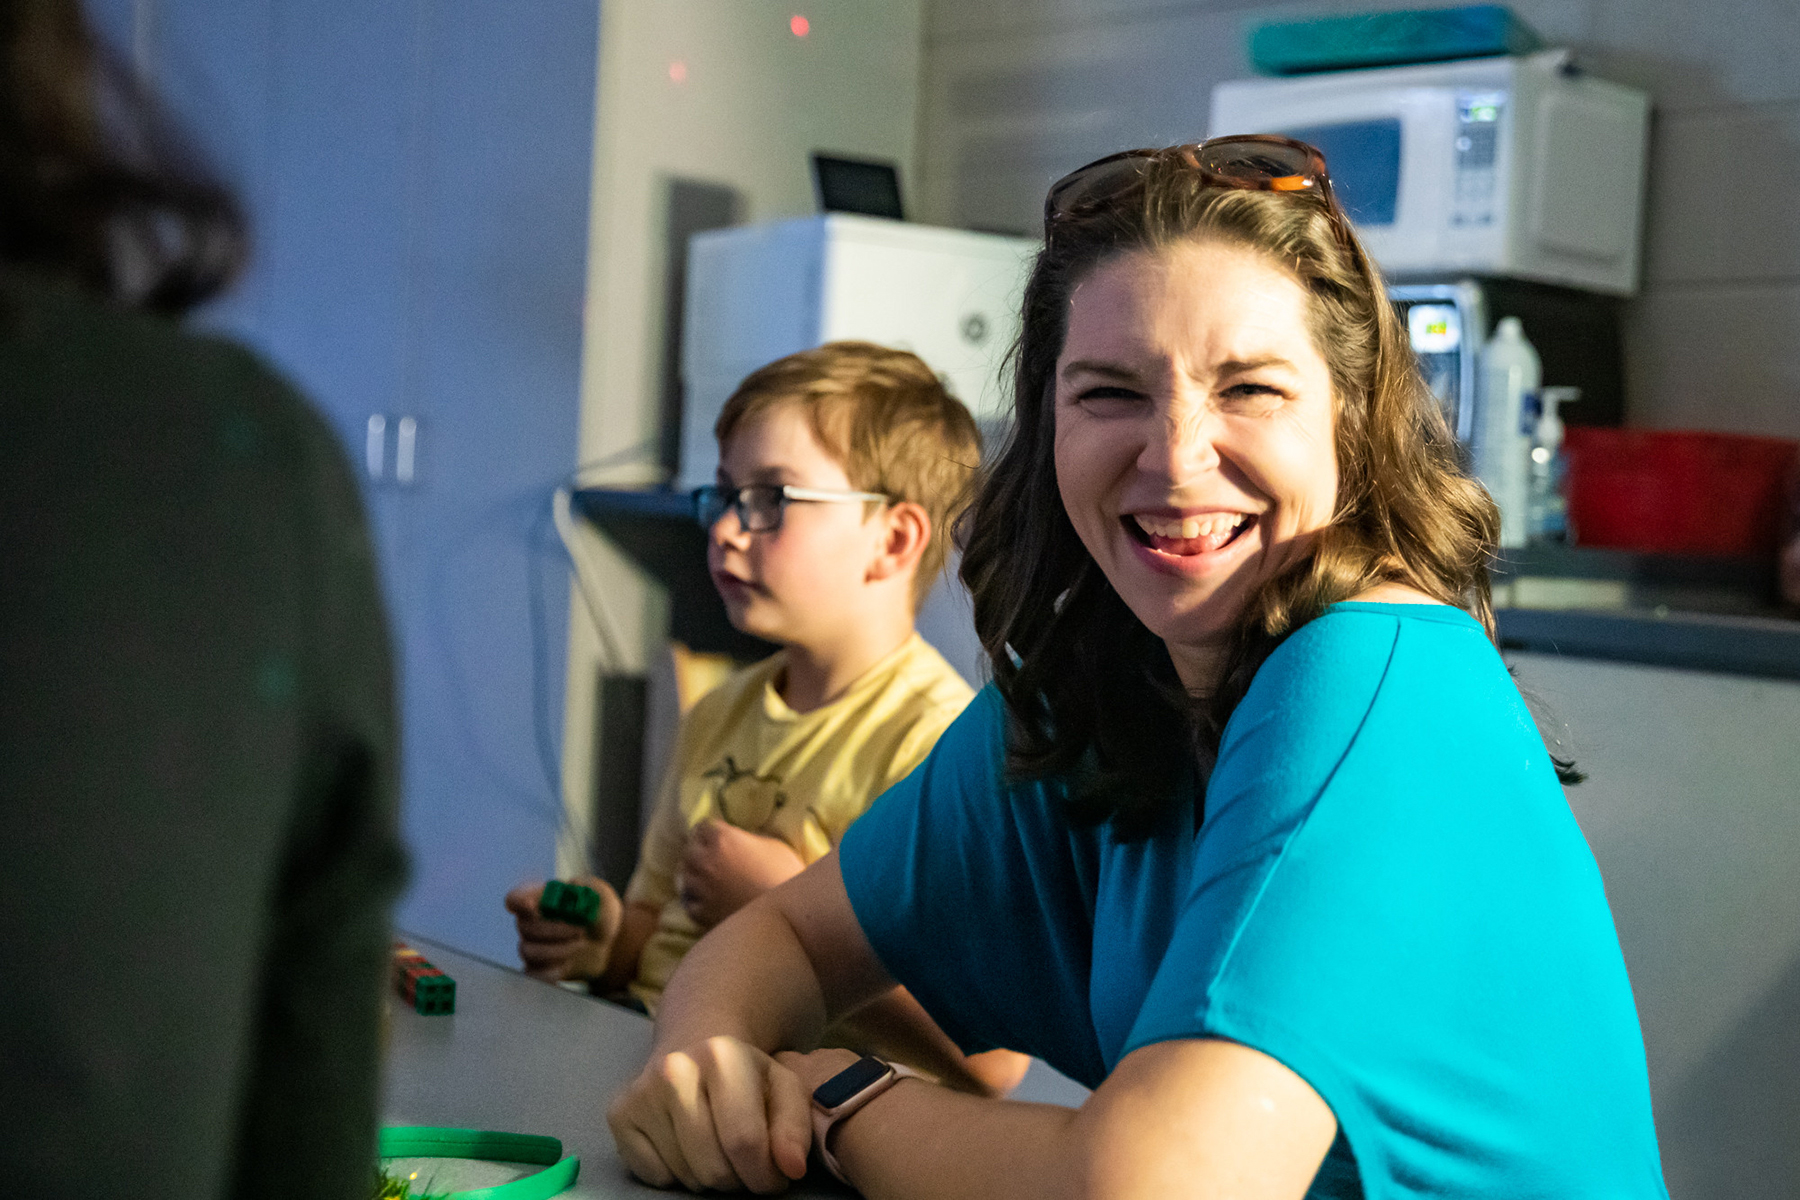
1547 503
1510 377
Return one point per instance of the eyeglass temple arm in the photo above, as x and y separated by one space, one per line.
804 493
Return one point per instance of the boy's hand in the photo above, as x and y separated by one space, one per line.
724 868
556 950
718 1115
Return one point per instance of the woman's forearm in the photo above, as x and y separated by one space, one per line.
920 1141
749 978
1192 1117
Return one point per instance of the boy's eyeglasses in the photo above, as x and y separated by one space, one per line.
1252 161
760 506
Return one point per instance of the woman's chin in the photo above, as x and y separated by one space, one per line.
1196 617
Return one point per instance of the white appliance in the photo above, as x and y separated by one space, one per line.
1519 167
758 292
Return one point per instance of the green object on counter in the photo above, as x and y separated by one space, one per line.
433 1141
1390 39
434 995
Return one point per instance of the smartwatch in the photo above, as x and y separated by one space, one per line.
844 1093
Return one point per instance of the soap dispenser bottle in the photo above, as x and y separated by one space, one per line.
1547 504
1506 417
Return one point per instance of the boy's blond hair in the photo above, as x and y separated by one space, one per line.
887 419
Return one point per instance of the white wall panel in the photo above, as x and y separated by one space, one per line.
1699 55
1704 228
1005 117
1716 356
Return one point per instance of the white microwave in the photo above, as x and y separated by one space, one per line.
1518 167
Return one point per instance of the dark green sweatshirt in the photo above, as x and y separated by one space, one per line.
198 844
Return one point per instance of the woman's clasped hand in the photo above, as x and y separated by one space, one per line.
1251 833
720 1114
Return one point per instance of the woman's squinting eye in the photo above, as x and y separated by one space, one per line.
1254 395
1106 398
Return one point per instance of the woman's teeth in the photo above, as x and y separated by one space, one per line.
1187 529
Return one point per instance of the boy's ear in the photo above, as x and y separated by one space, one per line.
905 532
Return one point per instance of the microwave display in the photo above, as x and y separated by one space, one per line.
1363 158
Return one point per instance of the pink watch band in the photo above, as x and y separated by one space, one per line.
825 1119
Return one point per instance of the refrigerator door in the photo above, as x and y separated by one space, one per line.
949 296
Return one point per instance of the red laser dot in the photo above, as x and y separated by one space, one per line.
678 72
800 25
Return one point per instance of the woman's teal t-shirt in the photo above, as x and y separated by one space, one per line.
1388 894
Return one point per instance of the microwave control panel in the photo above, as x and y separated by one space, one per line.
1478 121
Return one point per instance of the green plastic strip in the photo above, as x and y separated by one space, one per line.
434 1141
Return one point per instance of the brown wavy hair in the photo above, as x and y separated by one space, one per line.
1091 693
97 187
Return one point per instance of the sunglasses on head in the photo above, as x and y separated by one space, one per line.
1252 161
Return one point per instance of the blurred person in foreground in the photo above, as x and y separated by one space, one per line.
198 844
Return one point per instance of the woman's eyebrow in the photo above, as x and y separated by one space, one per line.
1095 366
1241 366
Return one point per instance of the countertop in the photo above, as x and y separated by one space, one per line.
1702 614
523 1056
1768 647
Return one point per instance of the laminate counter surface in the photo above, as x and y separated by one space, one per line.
528 1057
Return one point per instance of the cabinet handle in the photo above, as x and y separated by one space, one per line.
375 447
406 442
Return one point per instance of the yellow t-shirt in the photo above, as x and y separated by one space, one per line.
744 756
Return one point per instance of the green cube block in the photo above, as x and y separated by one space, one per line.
569 902
434 995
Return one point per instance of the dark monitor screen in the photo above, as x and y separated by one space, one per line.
853 185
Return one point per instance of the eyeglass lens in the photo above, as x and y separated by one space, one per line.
758 506
1095 182
1254 161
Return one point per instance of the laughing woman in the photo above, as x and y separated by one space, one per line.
1251 833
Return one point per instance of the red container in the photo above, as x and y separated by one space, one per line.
1677 492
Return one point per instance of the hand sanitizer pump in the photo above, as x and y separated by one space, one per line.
1510 376
1548 509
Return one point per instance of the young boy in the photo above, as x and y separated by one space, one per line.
841 471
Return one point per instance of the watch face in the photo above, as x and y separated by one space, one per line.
849 1082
